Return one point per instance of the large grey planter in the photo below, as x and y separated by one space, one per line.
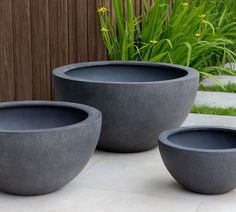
44 145
202 159
138 100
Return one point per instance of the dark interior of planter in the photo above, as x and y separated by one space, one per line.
39 117
126 73
205 139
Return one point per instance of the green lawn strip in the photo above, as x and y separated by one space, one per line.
230 88
205 109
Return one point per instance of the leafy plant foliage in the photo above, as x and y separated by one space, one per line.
196 33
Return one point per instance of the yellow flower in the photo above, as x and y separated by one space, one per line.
102 10
198 35
185 4
154 42
202 16
104 29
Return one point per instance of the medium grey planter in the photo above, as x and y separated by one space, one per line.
44 145
201 159
138 100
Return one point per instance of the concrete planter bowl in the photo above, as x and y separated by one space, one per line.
138 100
201 159
44 145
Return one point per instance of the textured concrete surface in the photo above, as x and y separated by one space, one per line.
126 182
219 99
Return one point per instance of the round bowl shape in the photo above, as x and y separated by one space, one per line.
201 159
44 145
138 100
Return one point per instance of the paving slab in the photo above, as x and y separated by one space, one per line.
231 66
145 174
224 79
85 199
204 119
218 99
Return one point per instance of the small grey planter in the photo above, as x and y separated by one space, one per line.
44 145
201 159
138 100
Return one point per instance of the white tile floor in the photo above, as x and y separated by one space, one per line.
122 183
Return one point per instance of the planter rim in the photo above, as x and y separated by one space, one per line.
93 114
163 138
61 71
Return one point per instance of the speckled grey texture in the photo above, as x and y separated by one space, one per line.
44 145
138 100
201 159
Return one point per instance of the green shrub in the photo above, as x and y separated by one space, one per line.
199 34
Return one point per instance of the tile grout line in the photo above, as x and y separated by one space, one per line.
196 210
46 200
138 193
128 192
82 173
